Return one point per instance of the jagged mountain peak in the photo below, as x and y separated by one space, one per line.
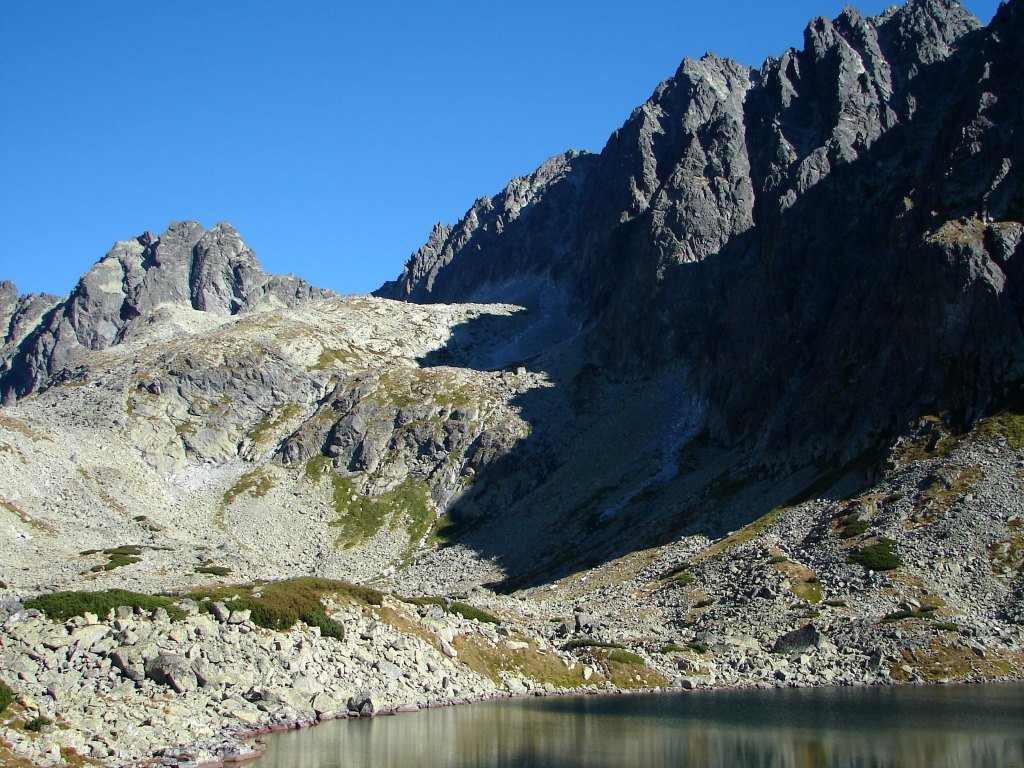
812 187
189 266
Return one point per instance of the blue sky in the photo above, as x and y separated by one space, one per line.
332 135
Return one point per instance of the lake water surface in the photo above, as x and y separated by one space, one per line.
904 727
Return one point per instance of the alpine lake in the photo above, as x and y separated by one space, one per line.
950 726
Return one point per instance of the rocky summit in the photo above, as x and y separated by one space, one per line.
734 402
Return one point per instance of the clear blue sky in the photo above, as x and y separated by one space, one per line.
331 134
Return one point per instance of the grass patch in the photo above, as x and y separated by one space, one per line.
406 507
64 605
445 531
621 656
331 359
477 654
6 696
924 612
464 610
946 626
117 557
881 556
279 605
803 582
776 559
37 723
684 579
697 647
835 603
213 570
274 419
852 526
1008 555
942 490
672 648
15 425
745 534
257 483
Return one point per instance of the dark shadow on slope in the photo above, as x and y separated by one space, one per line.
814 348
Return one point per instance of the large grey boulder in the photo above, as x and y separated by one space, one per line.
173 671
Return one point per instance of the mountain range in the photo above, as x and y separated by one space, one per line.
693 383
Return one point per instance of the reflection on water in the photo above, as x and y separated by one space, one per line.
934 727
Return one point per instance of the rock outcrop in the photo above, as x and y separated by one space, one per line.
206 270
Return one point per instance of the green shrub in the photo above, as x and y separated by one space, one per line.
924 612
945 626
279 605
6 696
877 557
213 570
64 605
776 559
697 647
684 579
467 612
37 724
836 603
624 657
672 648
853 526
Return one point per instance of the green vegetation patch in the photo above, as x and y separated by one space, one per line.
467 612
272 420
881 556
6 696
745 534
37 723
852 526
257 483
213 570
406 506
279 605
331 358
672 648
117 557
621 656
924 612
697 647
63 605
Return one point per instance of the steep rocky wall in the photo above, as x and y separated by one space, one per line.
827 242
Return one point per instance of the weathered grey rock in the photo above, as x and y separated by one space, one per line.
362 703
172 670
129 661
800 639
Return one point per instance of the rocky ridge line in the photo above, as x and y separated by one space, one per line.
206 270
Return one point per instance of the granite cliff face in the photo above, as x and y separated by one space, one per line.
208 270
826 243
